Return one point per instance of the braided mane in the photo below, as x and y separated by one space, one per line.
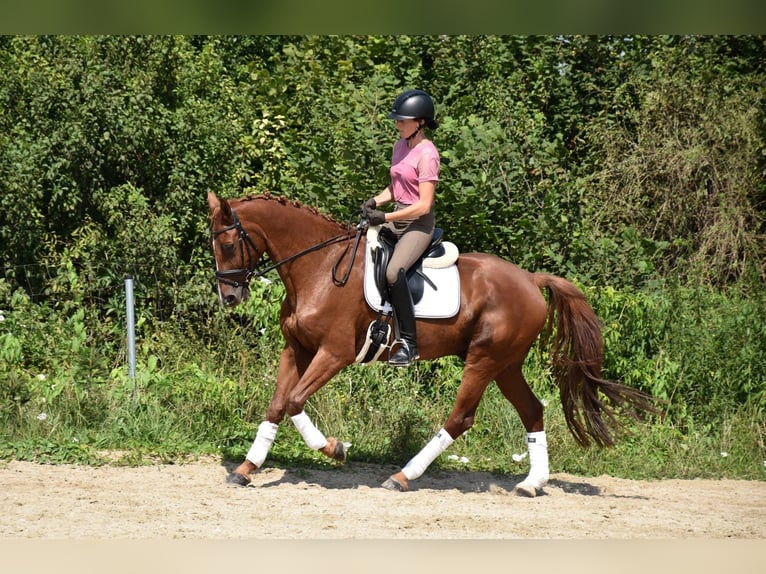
268 196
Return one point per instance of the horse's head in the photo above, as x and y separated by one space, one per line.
236 255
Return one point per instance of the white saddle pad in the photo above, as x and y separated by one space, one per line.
441 303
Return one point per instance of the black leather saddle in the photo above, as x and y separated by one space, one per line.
415 277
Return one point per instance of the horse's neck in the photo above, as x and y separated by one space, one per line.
288 228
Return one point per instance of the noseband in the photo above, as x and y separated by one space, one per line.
251 255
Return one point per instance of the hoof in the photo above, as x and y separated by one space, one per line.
339 453
237 479
393 484
525 489
335 449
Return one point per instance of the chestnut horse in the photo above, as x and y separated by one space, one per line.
325 321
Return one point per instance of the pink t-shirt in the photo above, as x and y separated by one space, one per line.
411 166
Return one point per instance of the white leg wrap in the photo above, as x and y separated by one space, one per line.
538 459
264 437
419 463
312 435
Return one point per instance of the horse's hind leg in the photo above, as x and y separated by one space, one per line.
514 387
461 418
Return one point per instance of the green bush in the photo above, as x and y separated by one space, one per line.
699 350
632 165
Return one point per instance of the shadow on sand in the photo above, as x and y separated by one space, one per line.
354 475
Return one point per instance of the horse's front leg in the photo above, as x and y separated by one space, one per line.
300 376
323 367
292 364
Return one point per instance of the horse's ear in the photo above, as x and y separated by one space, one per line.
212 202
215 204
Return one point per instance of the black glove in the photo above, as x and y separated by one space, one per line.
369 204
375 217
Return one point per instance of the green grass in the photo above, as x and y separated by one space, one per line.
387 414
63 400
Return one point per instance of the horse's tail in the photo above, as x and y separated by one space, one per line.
577 353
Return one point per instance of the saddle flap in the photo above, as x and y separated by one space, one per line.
381 255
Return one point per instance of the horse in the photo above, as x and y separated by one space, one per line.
324 321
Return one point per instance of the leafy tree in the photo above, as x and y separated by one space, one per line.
681 165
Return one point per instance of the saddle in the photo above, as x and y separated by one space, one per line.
416 279
436 267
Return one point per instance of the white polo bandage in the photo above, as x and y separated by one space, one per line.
419 463
537 444
312 435
264 437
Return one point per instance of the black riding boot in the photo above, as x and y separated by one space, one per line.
404 311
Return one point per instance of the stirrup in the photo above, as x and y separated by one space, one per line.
405 355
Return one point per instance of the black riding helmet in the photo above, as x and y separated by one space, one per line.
414 105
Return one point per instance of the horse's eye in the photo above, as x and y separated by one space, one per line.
227 247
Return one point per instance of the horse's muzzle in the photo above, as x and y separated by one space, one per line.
235 296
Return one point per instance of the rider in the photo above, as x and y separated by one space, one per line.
414 172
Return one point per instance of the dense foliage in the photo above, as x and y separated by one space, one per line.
631 165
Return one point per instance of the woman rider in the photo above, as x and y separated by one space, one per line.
414 172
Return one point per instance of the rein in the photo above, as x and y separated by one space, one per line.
250 262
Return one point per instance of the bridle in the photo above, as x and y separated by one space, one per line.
251 256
